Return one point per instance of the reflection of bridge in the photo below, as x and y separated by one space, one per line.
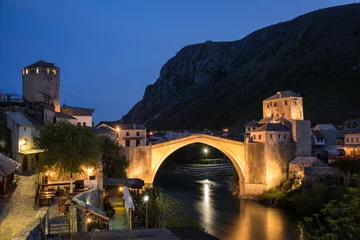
260 166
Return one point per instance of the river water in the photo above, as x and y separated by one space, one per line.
226 216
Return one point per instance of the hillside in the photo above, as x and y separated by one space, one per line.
216 84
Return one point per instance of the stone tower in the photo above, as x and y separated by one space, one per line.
41 83
288 106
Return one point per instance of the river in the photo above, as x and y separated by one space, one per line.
225 216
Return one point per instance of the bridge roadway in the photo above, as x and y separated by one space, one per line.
259 166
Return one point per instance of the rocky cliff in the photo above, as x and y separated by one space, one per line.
216 84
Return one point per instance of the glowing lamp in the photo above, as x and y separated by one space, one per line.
146 198
206 150
88 220
117 129
151 133
120 189
89 171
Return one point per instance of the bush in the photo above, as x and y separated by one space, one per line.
311 199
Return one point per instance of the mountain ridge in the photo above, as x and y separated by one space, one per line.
217 84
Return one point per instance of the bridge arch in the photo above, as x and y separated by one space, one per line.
234 150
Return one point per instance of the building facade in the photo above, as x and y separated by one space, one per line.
24 130
83 116
41 83
131 135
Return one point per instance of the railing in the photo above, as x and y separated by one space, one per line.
348 157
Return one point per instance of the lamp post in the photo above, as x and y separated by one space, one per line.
146 199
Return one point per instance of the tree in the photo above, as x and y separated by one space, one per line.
68 148
165 211
338 219
114 163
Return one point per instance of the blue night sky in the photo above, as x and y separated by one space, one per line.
108 53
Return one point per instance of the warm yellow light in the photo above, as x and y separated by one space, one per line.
206 150
89 220
151 133
225 130
21 142
47 70
26 71
37 70
47 173
117 129
120 189
89 171
54 72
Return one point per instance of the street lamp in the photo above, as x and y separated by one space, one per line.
205 152
146 199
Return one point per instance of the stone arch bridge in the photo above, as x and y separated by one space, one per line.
259 166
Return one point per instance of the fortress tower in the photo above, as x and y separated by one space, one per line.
41 83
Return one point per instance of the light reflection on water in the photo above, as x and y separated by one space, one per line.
228 217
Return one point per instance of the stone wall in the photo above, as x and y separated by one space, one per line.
301 132
277 158
140 162
255 167
33 84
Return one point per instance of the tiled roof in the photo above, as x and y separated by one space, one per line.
42 64
112 124
274 127
102 130
77 111
323 171
353 120
252 123
352 130
306 161
266 120
323 127
283 94
63 115
22 120
7 165
132 126
317 134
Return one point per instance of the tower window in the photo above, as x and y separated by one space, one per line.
285 103
300 113
248 129
272 115
274 104
54 72
259 137
277 115
137 134
268 106
284 136
254 137
283 114
24 128
295 102
47 70
37 71
279 136
127 133
271 136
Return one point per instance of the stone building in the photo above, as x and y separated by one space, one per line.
83 116
23 130
352 143
283 112
297 166
323 135
41 83
250 126
325 175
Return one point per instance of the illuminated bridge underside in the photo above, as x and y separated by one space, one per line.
259 166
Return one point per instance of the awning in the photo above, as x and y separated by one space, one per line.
31 151
7 165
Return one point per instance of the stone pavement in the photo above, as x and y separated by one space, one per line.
17 209
118 222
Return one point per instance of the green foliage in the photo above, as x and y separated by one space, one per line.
68 148
347 165
338 219
311 199
165 211
114 163
274 193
